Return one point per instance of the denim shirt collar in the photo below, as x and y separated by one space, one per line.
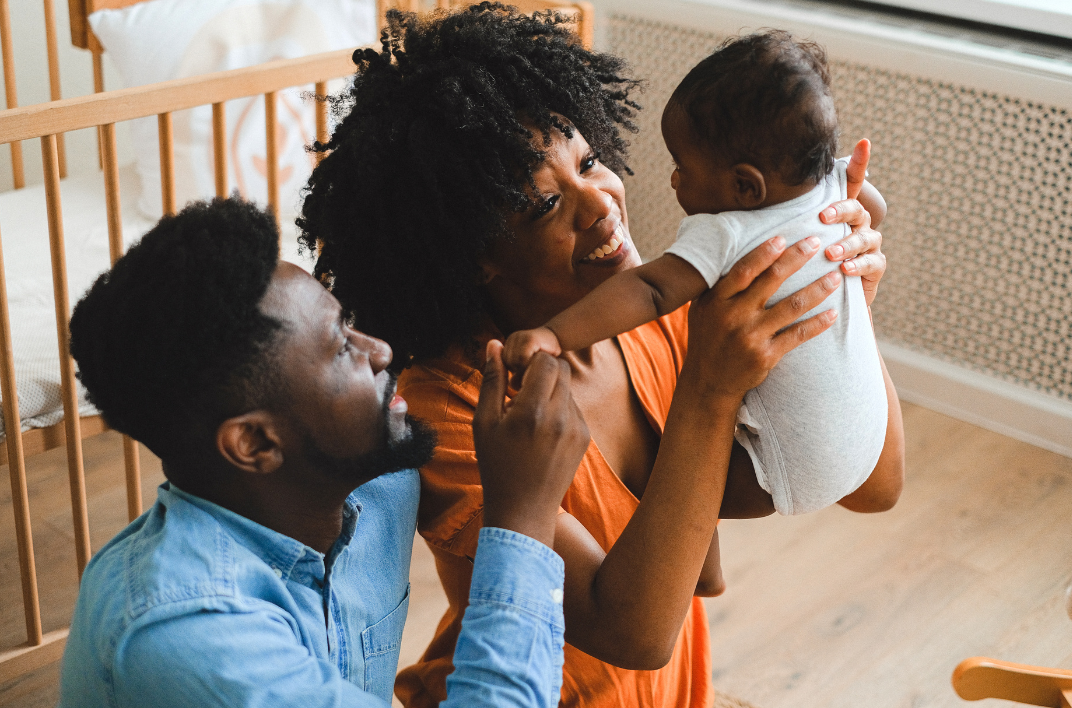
290 558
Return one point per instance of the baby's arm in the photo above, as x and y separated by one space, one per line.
625 301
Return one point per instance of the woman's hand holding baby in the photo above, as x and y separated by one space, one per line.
860 252
522 345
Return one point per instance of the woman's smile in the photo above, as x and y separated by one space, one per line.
611 251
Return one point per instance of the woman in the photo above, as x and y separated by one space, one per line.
474 171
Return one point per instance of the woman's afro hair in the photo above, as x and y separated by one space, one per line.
170 342
438 139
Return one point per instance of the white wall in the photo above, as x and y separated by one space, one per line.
76 77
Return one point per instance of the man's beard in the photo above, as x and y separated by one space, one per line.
411 451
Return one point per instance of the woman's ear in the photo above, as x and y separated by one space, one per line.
488 271
749 187
251 442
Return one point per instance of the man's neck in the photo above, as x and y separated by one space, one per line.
310 513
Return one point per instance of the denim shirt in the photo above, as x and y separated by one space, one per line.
193 604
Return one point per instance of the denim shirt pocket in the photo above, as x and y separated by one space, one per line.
380 644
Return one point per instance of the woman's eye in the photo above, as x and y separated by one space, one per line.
590 161
546 206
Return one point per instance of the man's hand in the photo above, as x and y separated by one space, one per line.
522 345
528 451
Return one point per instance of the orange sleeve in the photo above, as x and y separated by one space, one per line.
444 395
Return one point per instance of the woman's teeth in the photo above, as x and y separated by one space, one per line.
607 248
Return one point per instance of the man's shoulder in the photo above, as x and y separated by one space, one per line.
173 552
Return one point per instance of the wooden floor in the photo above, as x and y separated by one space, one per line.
828 610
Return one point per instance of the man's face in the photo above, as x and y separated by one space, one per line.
340 397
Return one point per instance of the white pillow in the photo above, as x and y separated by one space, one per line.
162 40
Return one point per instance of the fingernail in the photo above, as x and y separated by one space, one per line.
777 243
829 213
811 244
849 267
830 315
832 279
837 251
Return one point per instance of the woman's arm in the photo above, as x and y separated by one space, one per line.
626 607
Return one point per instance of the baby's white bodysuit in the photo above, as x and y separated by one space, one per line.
816 426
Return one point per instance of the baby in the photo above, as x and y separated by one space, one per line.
753 130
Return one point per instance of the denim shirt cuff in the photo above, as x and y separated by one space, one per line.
515 570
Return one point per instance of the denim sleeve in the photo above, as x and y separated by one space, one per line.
225 659
509 652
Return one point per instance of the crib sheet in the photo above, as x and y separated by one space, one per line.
28 267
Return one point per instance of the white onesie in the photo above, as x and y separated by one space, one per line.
816 426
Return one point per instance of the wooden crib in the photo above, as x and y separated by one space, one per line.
46 124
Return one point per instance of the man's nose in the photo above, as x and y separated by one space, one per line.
379 352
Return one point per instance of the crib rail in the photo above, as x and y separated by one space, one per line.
102 111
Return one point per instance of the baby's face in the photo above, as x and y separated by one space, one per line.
702 185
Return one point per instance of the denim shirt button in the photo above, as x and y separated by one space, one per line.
277 571
556 596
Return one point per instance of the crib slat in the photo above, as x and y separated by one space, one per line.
98 87
8 57
271 153
16 461
321 109
54 74
167 163
219 146
131 462
72 425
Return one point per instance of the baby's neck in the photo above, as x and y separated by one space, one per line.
778 192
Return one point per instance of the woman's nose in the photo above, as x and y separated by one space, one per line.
596 204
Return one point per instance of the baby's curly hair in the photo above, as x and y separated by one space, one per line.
171 342
434 148
764 99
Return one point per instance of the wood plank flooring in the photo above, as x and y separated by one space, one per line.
832 609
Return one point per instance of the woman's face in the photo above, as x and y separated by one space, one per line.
576 237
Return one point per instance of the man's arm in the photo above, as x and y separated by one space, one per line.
509 652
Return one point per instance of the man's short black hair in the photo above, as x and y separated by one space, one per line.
171 342
764 99
435 149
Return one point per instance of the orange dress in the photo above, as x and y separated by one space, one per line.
444 394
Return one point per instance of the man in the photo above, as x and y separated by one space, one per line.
273 568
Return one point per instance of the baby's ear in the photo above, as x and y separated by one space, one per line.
749 187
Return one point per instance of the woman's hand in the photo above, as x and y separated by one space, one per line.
734 339
860 252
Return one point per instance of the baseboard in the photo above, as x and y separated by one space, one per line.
1035 418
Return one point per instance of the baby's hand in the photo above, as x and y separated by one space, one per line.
522 345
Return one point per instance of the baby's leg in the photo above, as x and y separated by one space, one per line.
711 582
744 498
879 492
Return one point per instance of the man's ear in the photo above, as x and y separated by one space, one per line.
251 442
749 187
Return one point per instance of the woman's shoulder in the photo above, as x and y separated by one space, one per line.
450 380
666 336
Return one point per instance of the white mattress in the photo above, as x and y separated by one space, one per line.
27 264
